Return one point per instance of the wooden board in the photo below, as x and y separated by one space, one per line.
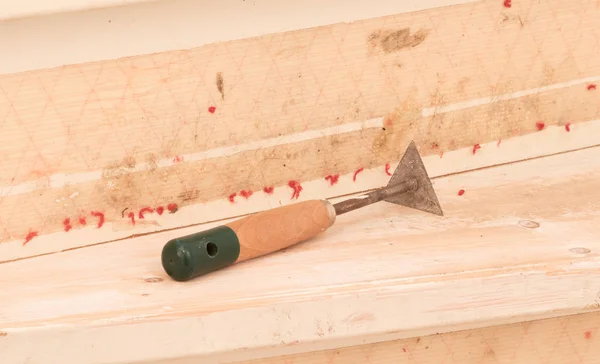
568 339
502 102
121 135
519 244
10 10
141 28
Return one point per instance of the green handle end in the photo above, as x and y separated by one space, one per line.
191 256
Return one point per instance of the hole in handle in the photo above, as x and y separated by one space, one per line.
212 249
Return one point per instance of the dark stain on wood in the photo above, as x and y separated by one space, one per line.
153 280
221 84
189 195
394 41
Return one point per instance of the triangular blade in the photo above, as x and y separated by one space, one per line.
424 197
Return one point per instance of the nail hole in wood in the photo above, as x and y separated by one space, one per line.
581 251
529 224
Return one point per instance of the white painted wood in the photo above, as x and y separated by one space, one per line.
559 340
520 244
62 38
26 8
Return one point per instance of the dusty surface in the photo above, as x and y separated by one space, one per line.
128 125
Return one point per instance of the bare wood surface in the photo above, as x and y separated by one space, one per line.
551 140
120 136
567 339
519 244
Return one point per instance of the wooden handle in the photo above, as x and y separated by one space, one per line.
273 230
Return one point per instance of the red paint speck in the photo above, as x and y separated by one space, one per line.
82 221
591 87
476 147
499 141
67 224
178 159
568 127
246 194
172 207
212 109
540 125
588 335
144 210
269 190
357 172
100 217
441 154
332 178
404 350
461 192
231 197
160 210
30 236
387 169
131 215
507 3
295 185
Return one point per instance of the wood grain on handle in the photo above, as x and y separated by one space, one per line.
273 230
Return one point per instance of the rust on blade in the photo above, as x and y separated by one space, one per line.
409 186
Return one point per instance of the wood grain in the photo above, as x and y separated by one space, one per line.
520 244
282 227
110 136
567 339
124 31
552 140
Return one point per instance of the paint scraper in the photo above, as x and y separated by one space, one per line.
194 255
